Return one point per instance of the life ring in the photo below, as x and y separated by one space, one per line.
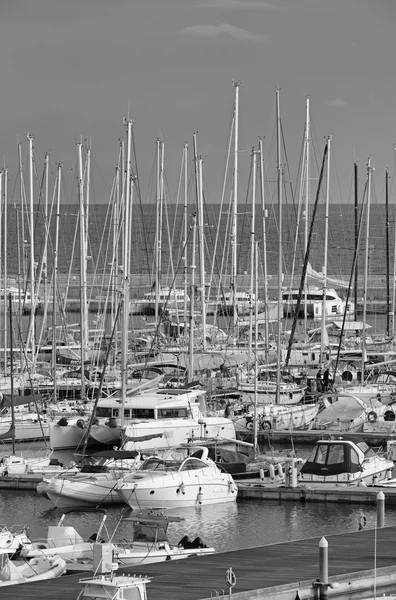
372 416
266 425
362 521
230 577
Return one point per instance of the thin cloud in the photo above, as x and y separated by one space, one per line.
216 30
238 4
337 102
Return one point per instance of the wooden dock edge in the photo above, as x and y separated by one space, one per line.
339 585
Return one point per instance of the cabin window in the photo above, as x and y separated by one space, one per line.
143 413
103 412
172 413
354 457
193 463
336 455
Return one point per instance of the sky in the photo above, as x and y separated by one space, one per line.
73 70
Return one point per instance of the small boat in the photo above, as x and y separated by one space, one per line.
276 417
344 461
13 572
183 476
116 587
150 543
92 485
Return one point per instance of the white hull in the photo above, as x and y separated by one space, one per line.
166 494
279 418
92 491
267 394
162 434
26 430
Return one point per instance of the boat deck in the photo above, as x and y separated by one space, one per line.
255 568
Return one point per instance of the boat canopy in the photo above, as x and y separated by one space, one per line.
334 457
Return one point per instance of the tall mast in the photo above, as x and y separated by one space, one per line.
185 255
366 262
325 258
388 314
355 169
264 216
280 257
31 238
158 227
5 229
126 269
307 189
55 278
252 305
192 299
234 232
393 304
83 270
202 254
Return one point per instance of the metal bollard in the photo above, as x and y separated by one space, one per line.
322 583
380 509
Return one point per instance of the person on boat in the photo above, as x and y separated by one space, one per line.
326 380
319 383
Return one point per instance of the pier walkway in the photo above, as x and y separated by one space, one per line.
259 571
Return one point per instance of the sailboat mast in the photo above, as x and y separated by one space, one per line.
185 255
32 263
356 198
158 231
280 256
202 254
83 270
192 301
264 217
55 279
126 269
234 232
252 305
307 190
388 314
3 277
366 262
325 256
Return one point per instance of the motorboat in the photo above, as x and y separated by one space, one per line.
116 587
105 427
344 411
92 485
242 301
168 298
171 417
150 543
13 572
311 302
342 461
184 476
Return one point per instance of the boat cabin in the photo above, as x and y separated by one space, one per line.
342 460
116 587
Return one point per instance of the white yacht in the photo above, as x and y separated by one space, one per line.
154 419
334 305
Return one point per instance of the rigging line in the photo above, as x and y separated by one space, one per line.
156 331
351 278
304 271
99 391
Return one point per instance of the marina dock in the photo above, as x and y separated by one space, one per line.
276 571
